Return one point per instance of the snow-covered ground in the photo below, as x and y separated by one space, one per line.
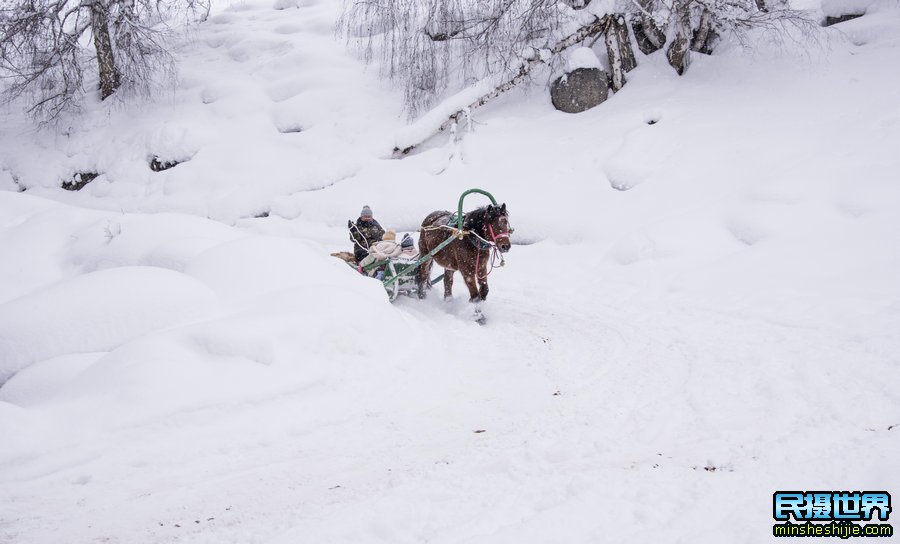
697 312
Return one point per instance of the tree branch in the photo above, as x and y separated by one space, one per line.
597 26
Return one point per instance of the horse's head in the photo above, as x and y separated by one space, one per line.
496 226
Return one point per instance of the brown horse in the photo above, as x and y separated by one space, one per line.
486 228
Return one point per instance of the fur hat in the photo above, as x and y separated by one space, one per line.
366 211
389 234
407 241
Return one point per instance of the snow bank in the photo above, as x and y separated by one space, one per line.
7 183
836 8
40 382
94 312
244 92
164 240
256 266
30 223
703 284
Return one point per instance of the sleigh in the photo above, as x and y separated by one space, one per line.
399 274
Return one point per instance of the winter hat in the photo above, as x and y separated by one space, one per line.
407 241
390 234
366 211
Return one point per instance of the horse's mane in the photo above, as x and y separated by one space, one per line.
476 219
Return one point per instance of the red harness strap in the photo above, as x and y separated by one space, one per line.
493 253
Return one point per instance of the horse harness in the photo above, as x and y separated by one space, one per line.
479 242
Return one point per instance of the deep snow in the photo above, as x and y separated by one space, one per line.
697 312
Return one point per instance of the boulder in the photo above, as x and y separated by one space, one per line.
835 19
579 90
839 11
79 180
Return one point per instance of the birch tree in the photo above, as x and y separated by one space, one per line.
433 47
50 48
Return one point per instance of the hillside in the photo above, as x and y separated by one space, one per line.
700 308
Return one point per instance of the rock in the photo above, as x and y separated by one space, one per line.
158 165
839 11
79 180
579 90
833 20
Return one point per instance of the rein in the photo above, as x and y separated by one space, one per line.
495 251
362 243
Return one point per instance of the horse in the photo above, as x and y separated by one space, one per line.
485 229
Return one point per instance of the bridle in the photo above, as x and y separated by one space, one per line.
488 230
495 237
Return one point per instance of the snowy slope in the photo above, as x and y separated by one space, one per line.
697 312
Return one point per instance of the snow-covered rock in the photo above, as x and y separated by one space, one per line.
579 90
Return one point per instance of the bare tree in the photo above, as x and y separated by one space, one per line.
431 47
106 58
43 55
534 58
738 18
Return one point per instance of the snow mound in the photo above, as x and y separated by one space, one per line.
255 266
703 284
582 57
836 8
41 381
94 312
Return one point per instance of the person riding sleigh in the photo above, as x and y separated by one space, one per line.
364 233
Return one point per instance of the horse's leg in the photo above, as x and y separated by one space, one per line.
448 283
483 289
423 277
472 285
481 275
476 298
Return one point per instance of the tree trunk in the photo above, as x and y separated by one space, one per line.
123 27
618 50
649 36
621 30
679 52
704 35
109 73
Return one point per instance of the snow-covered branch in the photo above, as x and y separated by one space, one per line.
463 103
